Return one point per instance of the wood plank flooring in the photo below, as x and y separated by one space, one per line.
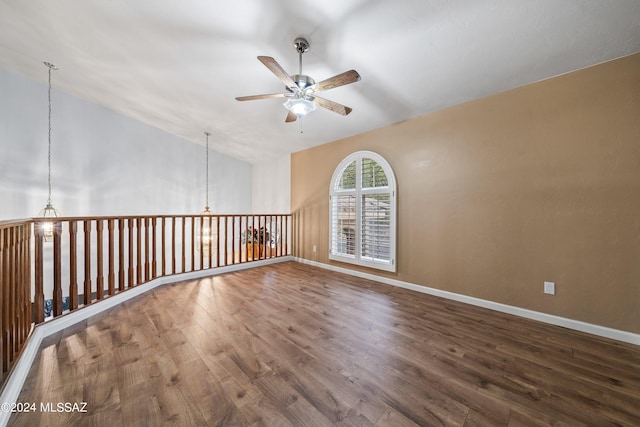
294 345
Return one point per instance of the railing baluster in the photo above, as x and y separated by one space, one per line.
184 258
163 249
255 233
173 245
73 265
3 279
23 285
276 236
112 261
27 266
218 245
286 236
194 241
8 302
38 298
130 282
242 248
211 242
139 266
19 287
245 246
57 269
147 266
279 241
233 238
121 284
12 295
87 298
154 267
100 260
280 236
260 238
270 230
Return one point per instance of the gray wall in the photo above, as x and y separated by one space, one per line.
102 162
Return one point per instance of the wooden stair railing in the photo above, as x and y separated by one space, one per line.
43 280
15 289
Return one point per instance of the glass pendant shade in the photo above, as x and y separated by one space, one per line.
300 106
206 232
47 226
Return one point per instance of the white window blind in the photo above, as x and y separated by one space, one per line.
362 212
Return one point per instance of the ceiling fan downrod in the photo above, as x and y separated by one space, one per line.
301 45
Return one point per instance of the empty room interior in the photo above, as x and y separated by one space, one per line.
352 213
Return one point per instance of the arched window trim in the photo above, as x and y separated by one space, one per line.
390 189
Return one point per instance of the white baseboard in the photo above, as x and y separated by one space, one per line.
577 325
18 374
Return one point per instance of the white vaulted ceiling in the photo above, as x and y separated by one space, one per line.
178 65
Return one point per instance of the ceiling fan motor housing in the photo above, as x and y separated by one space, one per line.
303 81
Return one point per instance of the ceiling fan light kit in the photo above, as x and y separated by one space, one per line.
300 107
301 89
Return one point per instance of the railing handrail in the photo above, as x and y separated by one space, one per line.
13 222
106 217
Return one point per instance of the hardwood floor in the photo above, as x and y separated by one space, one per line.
290 344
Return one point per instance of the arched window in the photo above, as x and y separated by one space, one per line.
362 217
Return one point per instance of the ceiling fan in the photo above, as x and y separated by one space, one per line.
301 89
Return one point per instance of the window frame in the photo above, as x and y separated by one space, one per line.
358 192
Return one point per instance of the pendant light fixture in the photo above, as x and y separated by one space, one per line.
49 211
206 232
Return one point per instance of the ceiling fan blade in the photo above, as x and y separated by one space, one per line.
290 117
253 97
276 69
342 79
333 106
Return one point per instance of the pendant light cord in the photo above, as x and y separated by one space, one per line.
207 173
51 67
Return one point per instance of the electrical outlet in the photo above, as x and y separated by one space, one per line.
550 288
314 248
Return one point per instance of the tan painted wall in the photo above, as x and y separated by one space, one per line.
498 195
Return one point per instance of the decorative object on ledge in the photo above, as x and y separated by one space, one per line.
258 240
206 233
48 307
49 211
